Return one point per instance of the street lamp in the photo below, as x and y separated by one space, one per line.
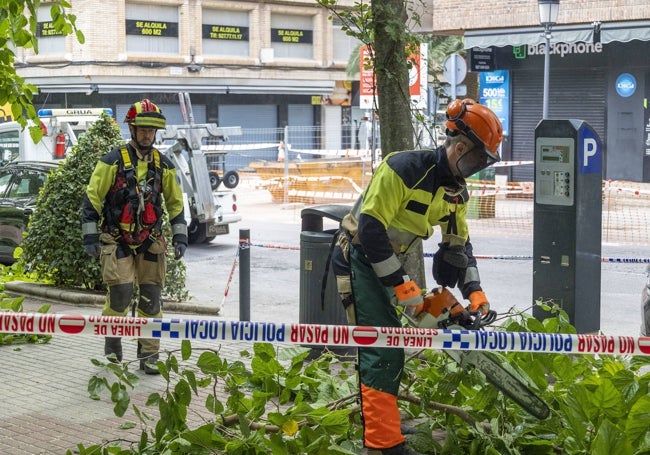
548 10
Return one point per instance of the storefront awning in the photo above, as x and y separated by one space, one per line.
609 32
109 85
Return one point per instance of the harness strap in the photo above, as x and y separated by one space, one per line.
135 197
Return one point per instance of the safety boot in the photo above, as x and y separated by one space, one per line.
113 349
400 449
148 361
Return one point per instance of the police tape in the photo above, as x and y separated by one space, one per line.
511 163
219 330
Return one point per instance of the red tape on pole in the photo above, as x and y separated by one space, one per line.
320 335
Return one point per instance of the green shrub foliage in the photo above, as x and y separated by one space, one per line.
52 248
275 400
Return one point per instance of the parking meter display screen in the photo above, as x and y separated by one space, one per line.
555 154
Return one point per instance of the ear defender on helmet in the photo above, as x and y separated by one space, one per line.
145 114
480 125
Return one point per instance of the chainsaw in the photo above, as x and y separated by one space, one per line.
441 310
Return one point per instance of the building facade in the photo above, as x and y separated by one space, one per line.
253 64
599 72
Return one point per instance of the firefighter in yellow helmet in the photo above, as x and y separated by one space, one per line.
122 218
410 193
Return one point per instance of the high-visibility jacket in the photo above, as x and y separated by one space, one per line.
409 194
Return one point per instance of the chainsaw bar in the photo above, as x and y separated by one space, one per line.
500 376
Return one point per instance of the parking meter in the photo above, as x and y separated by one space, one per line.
567 221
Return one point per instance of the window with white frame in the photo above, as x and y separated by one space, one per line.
225 32
49 40
151 29
343 45
292 36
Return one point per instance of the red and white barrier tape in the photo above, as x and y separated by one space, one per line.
320 335
511 163
500 257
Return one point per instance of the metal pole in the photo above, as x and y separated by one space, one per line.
285 199
452 82
547 65
244 275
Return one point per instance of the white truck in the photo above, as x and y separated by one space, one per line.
208 213
61 129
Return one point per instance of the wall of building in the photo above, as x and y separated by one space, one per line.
450 17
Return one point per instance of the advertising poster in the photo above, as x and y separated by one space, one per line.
494 89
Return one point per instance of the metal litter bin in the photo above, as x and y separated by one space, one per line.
315 246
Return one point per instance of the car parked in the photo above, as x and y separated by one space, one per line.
20 183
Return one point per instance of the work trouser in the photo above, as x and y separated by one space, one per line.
121 269
380 369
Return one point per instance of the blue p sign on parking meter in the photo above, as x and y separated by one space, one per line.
567 221
589 151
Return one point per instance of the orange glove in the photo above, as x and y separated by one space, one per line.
479 302
409 295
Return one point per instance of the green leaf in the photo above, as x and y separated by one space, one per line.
183 393
610 440
201 437
186 349
210 363
213 405
336 422
95 386
121 398
608 399
637 425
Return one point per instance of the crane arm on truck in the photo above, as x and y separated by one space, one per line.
203 210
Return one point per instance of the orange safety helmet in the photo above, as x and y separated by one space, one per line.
145 114
478 123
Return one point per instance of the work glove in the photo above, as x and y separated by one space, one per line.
91 245
179 249
479 302
409 295
449 263
179 241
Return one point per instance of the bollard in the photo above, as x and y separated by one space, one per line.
244 275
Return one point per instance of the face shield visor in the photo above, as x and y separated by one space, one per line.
473 161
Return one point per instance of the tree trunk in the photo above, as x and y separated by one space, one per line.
391 69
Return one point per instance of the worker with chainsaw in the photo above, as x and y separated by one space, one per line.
122 219
409 194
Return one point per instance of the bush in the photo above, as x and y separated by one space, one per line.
53 248
274 399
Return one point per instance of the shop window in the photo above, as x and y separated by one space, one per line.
226 32
292 36
151 29
49 40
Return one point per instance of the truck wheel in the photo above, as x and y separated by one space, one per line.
215 180
196 232
231 179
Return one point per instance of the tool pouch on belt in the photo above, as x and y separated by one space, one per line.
108 260
154 266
